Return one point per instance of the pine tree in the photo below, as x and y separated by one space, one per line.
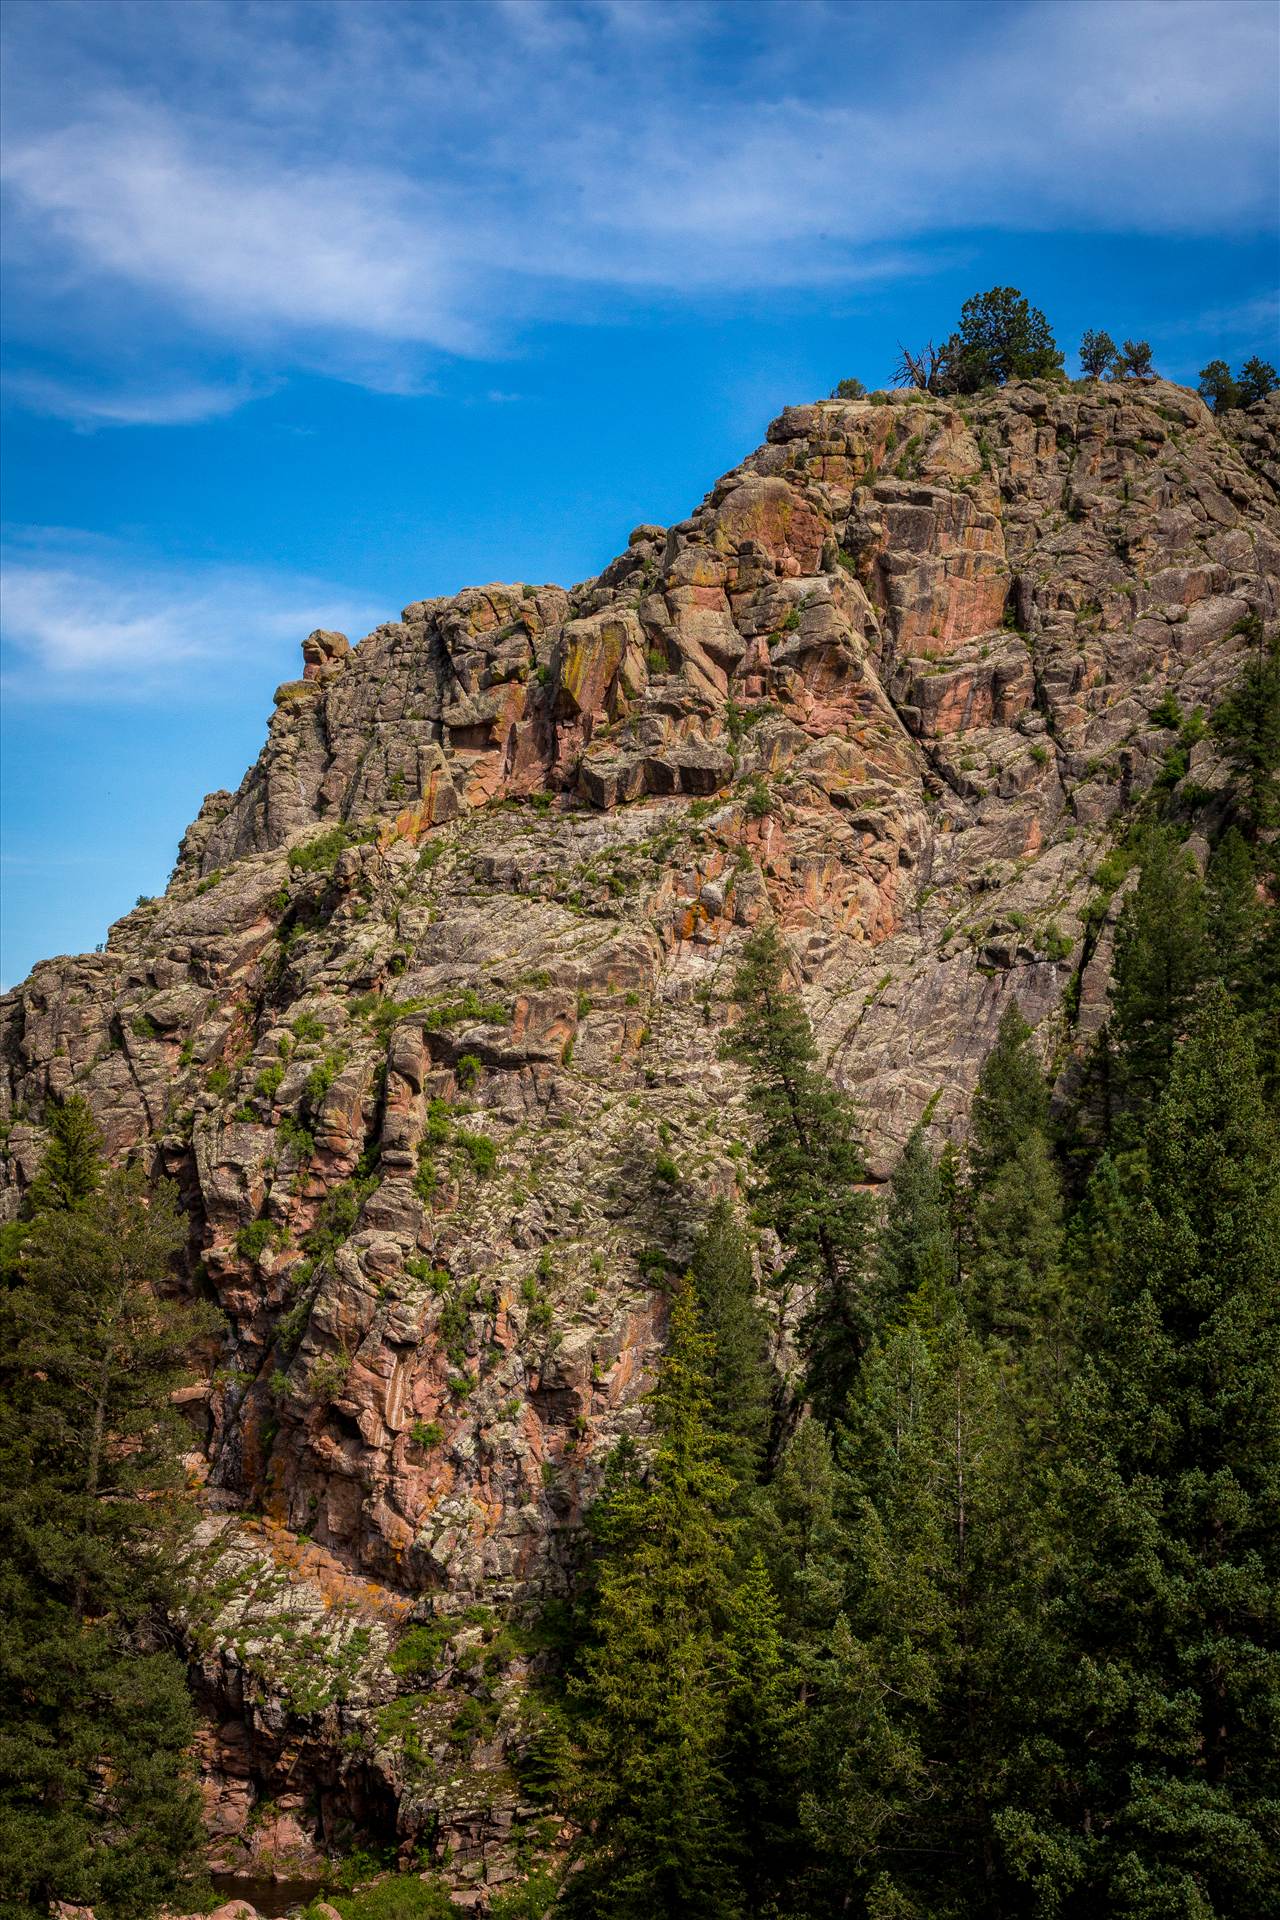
764 1722
653 1689
1168 1775
72 1164
742 1384
920 1693
1010 1101
812 1171
1162 957
916 1248
1248 724
1014 1287
96 1807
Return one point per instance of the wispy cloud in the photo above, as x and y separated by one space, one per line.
87 407
360 189
94 620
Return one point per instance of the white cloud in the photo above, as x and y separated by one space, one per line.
88 619
357 189
169 406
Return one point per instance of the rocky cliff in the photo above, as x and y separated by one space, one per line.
425 1026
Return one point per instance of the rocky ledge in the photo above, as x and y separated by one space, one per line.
425 1023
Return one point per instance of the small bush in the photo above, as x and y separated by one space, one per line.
255 1239
320 855
268 1081
400 1896
480 1150
666 1170
144 1027
329 1376
419 1650
426 1434
758 803
308 1027
467 1071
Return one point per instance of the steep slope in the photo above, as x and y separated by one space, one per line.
425 1025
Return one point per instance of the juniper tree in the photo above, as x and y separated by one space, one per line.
812 1171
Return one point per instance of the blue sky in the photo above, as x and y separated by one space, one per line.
312 310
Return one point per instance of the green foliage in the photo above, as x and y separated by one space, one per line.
1222 390
741 1384
530 1900
257 1238
97 1805
1248 725
1159 1781
320 854
1097 355
321 1079
419 1649
268 1081
1010 1102
849 389
1161 957
917 1685
651 1695
398 1896
916 1251
1000 337
72 1165
812 1169
308 1026
1133 362
336 1217
467 1071
426 1434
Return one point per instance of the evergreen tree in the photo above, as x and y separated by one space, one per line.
920 1691
1165 1789
1097 352
96 1805
72 1164
1218 387
1133 362
812 1170
741 1381
1248 724
1010 1101
764 1722
805 1545
653 1691
1014 1289
1258 378
1161 959
1001 337
916 1249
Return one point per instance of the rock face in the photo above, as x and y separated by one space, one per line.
428 993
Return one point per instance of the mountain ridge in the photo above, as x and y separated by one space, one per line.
425 1026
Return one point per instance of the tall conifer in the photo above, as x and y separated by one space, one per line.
812 1171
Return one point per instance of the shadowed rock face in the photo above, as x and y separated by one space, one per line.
890 683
